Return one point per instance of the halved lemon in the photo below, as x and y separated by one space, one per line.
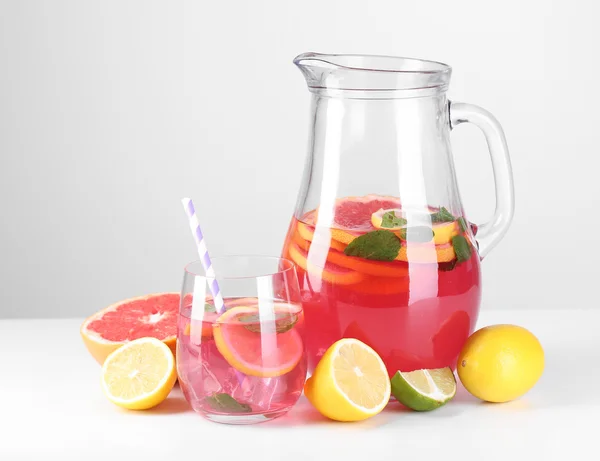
350 382
140 374
257 347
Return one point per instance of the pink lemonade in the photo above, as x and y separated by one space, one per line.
245 365
416 308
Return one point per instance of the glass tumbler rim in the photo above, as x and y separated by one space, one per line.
290 266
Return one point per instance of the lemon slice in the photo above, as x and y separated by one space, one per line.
424 390
350 383
397 222
139 375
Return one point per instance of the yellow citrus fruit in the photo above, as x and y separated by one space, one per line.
140 374
350 382
443 232
500 363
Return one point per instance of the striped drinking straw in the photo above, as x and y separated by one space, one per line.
188 206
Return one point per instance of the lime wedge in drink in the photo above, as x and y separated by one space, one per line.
424 390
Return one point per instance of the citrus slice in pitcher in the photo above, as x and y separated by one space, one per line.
352 215
322 236
419 225
332 273
426 253
258 346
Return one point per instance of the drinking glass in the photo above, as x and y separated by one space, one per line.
242 360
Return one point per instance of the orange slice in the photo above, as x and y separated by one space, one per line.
298 240
330 273
344 237
426 253
323 236
266 353
366 266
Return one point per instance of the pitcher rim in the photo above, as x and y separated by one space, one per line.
440 67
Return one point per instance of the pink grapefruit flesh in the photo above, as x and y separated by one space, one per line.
153 315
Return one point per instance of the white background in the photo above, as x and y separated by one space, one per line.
111 111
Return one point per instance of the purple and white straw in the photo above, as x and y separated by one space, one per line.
188 206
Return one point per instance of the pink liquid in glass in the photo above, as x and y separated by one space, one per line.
223 392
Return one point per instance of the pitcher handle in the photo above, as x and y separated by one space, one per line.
491 232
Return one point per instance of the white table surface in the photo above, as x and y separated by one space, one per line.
53 408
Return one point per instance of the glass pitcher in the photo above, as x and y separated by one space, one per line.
384 250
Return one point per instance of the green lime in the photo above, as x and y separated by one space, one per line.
424 390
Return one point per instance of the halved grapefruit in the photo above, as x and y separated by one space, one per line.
153 315
269 353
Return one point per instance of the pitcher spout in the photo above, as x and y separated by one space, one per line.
372 73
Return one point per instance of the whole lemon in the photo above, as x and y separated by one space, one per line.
500 363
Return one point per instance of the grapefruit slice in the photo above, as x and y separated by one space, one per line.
352 216
330 273
253 348
354 213
153 315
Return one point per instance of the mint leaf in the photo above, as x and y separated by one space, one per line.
227 404
462 223
442 216
419 234
380 245
390 220
209 308
284 321
461 248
